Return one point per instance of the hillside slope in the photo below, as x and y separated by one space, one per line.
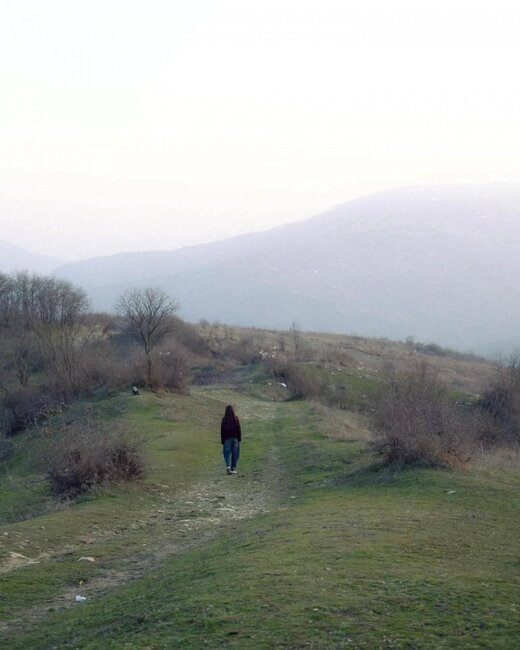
307 547
438 263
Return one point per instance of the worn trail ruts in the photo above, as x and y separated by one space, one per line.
190 519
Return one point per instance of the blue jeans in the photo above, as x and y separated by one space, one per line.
231 449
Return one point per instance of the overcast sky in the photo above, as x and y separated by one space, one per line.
130 125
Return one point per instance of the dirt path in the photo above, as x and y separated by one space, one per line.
180 521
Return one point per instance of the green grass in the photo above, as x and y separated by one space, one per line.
360 386
23 489
346 554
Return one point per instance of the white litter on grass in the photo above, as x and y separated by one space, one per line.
19 559
81 599
282 384
86 558
451 491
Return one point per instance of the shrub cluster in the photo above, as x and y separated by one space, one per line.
415 421
171 368
86 455
501 401
301 381
53 350
433 349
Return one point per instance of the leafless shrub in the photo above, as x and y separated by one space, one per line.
45 318
245 350
102 369
296 339
134 367
172 368
86 455
20 356
416 422
433 349
188 336
300 379
277 365
501 401
302 382
24 406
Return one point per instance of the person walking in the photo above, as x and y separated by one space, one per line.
230 436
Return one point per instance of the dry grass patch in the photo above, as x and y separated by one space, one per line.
341 425
503 459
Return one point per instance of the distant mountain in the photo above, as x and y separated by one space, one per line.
440 263
14 258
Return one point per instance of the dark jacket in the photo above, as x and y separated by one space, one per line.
230 428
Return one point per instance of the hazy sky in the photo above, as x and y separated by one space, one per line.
131 125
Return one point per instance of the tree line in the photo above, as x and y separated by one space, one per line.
54 349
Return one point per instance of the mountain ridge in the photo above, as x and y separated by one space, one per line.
435 262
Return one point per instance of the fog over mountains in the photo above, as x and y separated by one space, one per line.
13 259
439 263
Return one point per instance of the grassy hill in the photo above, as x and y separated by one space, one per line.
311 545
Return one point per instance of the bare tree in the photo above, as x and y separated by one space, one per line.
296 338
501 400
24 356
149 313
44 317
57 314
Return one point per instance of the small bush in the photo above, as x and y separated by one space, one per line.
277 365
101 370
501 401
26 406
416 422
188 336
245 350
172 369
433 349
300 379
302 383
85 456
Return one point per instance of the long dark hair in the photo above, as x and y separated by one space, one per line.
230 415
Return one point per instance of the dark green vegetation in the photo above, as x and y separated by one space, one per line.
311 545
